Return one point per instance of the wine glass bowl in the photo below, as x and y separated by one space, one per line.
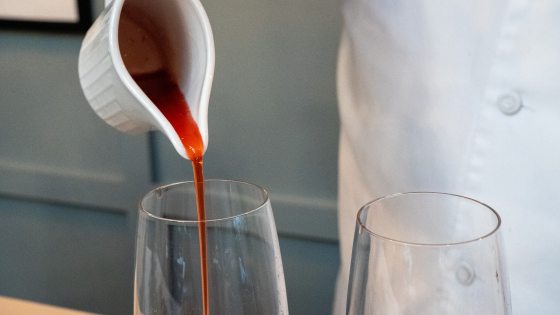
245 274
427 253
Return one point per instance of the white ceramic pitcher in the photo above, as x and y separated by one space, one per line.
183 27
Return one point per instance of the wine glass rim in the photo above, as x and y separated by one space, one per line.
179 221
408 243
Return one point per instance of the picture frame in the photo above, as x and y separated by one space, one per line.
46 15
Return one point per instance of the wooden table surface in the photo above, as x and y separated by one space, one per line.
13 306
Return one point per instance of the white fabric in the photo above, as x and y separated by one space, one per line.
457 96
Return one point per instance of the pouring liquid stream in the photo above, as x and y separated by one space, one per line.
165 93
144 56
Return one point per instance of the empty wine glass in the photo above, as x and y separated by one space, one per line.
245 274
427 253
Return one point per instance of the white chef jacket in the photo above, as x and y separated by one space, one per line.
457 96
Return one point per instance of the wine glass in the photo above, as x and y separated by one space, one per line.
427 253
244 266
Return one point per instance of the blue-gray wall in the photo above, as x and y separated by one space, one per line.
69 183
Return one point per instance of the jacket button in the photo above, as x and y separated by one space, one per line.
510 103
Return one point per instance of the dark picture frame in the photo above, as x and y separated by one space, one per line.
78 22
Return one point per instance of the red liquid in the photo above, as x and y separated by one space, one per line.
164 92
